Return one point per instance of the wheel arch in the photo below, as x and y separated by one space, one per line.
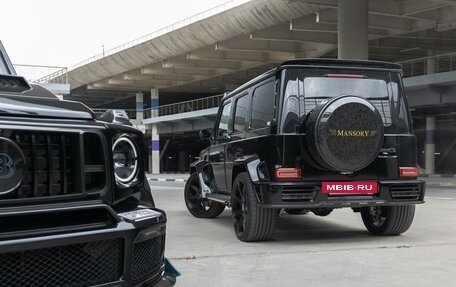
247 164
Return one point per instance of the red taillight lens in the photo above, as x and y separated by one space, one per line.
288 173
408 172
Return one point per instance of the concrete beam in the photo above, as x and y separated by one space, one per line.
244 43
310 24
202 64
125 88
168 77
174 71
283 33
151 82
209 53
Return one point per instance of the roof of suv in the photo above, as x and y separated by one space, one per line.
321 63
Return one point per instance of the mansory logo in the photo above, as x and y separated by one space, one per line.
353 133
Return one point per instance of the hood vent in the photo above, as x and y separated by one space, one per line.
13 84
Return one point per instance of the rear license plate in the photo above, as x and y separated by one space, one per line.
349 187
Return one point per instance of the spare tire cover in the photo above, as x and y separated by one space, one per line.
344 134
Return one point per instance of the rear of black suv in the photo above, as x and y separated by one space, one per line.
345 136
318 134
75 205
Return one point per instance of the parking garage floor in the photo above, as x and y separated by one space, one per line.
307 250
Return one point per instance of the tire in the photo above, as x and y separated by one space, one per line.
322 211
196 205
296 211
251 222
388 220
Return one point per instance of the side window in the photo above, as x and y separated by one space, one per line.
241 107
262 106
224 119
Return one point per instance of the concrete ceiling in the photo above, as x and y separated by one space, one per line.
223 51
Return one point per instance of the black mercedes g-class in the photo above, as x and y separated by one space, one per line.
75 205
311 135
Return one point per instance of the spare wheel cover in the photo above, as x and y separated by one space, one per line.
345 134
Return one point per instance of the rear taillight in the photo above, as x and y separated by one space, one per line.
408 172
288 173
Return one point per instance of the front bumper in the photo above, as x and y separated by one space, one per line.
308 195
110 251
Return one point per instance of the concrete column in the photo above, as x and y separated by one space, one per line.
431 63
139 106
353 29
154 155
182 161
430 145
154 96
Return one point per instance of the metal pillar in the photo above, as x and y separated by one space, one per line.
154 155
182 161
431 63
139 106
353 29
430 145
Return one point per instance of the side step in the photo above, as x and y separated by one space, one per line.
223 198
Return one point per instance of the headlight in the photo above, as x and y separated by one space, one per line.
125 156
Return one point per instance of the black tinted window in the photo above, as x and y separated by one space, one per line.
224 119
262 106
240 113
317 89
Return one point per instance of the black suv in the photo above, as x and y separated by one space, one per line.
75 205
311 135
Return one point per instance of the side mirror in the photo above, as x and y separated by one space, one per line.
116 117
205 134
224 136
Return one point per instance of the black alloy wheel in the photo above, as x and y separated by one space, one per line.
197 205
251 222
388 220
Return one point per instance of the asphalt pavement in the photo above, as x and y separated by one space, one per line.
307 250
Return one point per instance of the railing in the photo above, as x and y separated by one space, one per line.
171 109
58 77
42 74
208 13
429 65
184 107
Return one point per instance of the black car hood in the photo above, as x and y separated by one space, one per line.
35 103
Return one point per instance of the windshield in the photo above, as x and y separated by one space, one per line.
304 89
5 64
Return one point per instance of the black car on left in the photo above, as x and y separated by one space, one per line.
75 205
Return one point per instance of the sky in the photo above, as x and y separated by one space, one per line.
65 32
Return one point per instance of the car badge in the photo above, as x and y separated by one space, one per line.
12 165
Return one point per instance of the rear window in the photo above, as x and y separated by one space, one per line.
317 89
304 89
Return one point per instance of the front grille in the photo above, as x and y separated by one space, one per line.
299 193
147 257
59 164
405 191
83 264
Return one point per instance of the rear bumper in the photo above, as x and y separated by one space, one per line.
308 195
124 252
